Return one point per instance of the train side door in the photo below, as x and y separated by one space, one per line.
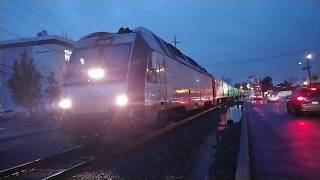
162 79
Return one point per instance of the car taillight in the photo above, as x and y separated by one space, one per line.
313 89
301 98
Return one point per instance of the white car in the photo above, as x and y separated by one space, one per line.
7 114
273 98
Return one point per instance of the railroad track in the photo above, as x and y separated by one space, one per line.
49 167
77 159
28 135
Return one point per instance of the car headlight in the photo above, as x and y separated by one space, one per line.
65 103
122 100
96 73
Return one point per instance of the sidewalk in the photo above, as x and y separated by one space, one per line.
14 128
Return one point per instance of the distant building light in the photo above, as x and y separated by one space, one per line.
305 83
67 54
300 63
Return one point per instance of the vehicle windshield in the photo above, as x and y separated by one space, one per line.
112 59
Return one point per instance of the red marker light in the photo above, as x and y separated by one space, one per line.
313 89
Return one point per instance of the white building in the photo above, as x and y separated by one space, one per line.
49 53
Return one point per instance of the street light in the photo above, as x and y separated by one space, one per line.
309 57
299 63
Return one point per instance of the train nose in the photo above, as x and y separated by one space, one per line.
96 98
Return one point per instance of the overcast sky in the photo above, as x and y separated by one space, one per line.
230 38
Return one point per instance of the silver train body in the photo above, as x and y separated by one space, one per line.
133 77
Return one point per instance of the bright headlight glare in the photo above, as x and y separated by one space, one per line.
65 103
122 100
96 73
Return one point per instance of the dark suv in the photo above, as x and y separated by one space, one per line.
305 99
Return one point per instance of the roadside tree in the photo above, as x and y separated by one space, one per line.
25 83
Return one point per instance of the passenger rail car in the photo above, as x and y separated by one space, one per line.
132 77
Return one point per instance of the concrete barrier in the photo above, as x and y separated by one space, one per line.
243 162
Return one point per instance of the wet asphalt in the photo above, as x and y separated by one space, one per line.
283 146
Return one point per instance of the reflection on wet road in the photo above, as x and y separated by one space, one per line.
283 146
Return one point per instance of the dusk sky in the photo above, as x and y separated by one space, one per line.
230 38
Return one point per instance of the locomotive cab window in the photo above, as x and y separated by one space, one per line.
113 59
118 55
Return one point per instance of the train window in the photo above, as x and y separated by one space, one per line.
115 58
160 43
174 51
118 54
152 75
193 62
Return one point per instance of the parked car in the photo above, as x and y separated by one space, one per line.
273 97
305 99
7 114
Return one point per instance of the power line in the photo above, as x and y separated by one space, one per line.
272 57
59 20
21 18
29 22
19 36
35 12
10 32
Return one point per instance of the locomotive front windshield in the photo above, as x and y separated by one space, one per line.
112 59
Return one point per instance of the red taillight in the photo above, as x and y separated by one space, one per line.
301 98
313 89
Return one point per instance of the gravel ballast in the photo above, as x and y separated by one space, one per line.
168 158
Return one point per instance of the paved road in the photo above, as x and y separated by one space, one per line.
283 146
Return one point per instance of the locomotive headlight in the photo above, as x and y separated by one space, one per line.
122 100
65 103
96 73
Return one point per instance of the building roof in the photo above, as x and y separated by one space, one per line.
40 40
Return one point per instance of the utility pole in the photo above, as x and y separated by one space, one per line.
175 42
308 68
309 57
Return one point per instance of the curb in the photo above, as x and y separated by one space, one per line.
243 160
